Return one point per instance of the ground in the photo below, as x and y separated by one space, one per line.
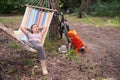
101 62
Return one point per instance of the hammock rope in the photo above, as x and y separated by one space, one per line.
48 5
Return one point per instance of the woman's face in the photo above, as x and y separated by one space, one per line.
35 29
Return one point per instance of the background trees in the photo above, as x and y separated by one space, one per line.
12 6
108 8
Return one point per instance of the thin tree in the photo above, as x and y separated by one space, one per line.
80 9
88 7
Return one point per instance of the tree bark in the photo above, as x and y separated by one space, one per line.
53 30
93 1
88 6
1 74
80 9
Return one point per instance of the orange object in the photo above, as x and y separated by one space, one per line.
75 40
72 33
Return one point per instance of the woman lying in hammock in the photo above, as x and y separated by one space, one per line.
34 35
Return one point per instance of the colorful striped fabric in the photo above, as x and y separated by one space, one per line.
34 16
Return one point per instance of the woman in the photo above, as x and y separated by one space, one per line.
34 35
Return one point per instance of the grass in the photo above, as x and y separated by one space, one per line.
28 62
12 21
53 45
14 45
11 70
72 55
95 21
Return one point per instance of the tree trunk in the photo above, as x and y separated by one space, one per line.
93 1
88 6
80 9
1 74
53 30
72 4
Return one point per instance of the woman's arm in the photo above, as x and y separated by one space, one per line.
43 30
41 27
25 30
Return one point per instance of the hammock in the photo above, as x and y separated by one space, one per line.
33 15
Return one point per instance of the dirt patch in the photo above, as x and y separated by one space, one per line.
101 62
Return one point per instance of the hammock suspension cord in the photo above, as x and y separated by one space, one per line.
43 4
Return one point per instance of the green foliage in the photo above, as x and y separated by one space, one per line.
116 22
64 4
72 55
69 4
11 70
14 45
11 6
105 9
16 78
51 45
28 62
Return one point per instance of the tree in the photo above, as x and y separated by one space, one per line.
53 30
9 6
88 5
80 9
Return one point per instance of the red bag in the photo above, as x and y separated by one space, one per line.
76 41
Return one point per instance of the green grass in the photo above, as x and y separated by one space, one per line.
11 70
72 55
14 45
28 62
52 45
95 21
11 19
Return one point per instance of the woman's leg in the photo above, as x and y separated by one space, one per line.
42 59
41 51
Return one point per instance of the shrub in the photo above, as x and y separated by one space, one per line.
105 9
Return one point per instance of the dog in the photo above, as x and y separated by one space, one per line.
77 42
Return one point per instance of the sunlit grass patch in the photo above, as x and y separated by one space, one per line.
10 19
95 21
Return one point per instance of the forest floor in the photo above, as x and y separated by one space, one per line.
101 62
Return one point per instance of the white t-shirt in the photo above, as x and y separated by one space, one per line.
35 36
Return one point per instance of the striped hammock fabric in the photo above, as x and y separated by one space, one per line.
35 16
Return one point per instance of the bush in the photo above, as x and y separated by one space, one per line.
105 9
10 6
